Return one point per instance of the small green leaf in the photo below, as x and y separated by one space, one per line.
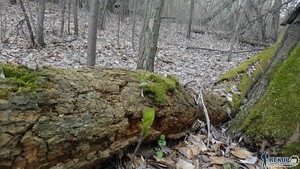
227 166
147 121
236 165
159 154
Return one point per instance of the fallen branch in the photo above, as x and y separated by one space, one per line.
165 61
223 51
64 41
200 101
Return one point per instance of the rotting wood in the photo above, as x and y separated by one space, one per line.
80 117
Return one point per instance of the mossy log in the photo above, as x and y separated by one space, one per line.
75 118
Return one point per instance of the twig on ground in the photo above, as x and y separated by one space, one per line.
200 101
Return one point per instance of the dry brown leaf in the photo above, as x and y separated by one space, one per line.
195 149
182 164
187 152
220 160
165 161
241 153
216 147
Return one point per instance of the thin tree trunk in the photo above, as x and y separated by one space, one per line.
75 18
28 24
190 19
103 15
92 33
224 5
41 19
149 35
133 25
235 34
30 17
63 11
119 25
69 17
275 20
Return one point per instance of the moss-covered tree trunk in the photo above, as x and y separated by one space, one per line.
263 93
76 118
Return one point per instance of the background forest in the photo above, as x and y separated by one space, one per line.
216 28
77 101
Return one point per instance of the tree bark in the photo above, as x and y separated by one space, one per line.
275 19
75 18
63 11
224 5
92 33
69 17
149 35
235 33
33 45
79 117
41 19
190 19
133 25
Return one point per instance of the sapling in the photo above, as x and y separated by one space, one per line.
147 121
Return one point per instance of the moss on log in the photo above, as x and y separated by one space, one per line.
75 118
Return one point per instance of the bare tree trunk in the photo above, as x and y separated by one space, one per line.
87 5
260 22
190 19
149 35
69 17
13 2
133 25
33 45
235 33
1 25
41 19
119 26
75 18
63 11
275 19
30 17
224 5
92 33
103 14
124 9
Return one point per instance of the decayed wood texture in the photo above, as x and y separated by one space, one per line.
83 116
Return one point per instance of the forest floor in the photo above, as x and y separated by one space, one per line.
173 57
68 50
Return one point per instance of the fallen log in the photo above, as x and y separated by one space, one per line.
76 118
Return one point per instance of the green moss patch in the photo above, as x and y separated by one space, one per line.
18 79
157 86
277 114
292 149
